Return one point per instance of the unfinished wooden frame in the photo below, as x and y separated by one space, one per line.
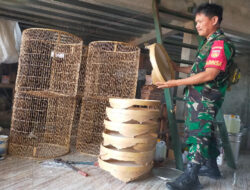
129 137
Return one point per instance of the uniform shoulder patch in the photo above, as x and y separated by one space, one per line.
217 58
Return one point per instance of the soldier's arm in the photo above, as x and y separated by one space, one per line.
215 63
181 69
202 77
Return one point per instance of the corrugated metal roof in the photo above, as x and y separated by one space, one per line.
92 21
87 20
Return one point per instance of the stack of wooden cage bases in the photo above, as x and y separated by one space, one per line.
46 89
129 138
111 71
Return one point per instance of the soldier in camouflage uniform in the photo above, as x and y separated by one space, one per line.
205 99
205 93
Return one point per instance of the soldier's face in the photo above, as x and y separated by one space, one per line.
205 26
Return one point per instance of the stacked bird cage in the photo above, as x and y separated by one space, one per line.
111 71
80 93
76 120
49 62
46 87
89 135
129 138
82 72
41 125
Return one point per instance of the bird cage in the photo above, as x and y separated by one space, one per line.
112 69
41 125
49 61
76 120
46 89
82 72
91 124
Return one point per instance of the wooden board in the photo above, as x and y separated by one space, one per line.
125 171
122 103
129 154
124 115
132 130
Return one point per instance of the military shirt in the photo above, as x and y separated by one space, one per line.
212 91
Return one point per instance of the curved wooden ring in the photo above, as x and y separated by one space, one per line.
124 115
140 143
122 103
125 171
131 130
129 154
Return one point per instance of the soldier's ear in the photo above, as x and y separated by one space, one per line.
215 20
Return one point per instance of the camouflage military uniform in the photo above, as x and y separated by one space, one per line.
204 100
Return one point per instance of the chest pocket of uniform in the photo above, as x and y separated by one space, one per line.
201 57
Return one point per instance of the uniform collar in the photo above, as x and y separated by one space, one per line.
217 33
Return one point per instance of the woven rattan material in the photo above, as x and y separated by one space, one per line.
75 122
46 89
82 72
49 61
41 127
91 124
42 150
89 148
111 71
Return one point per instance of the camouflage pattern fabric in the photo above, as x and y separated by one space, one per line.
203 102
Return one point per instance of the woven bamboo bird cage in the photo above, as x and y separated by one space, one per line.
46 89
112 69
89 134
82 72
76 120
49 61
41 126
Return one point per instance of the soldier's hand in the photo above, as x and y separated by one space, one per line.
168 84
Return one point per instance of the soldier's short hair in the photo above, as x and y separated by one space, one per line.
210 10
